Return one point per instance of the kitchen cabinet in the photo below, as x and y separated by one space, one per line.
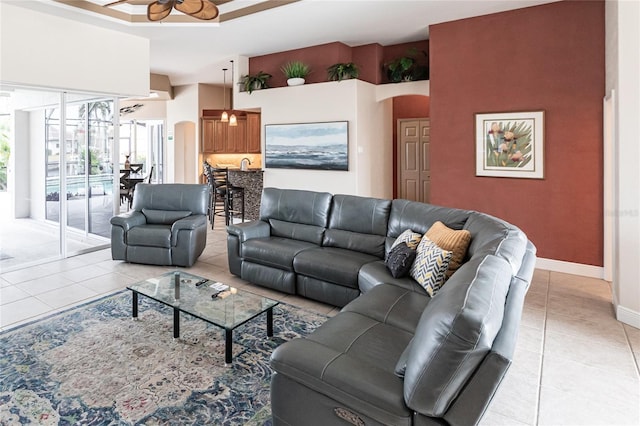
253 133
208 130
220 138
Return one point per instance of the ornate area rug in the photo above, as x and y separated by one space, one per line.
94 365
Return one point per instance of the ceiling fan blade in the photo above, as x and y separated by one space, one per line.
158 10
200 9
189 6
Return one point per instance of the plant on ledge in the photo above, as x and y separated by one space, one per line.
295 71
407 68
342 71
255 82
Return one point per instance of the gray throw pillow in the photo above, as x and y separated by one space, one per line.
400 259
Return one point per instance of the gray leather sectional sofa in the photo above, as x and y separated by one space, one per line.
393 355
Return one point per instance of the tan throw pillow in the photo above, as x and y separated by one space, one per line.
451 240
430 265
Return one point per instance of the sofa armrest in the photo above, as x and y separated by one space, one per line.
249 230
189 222
129 220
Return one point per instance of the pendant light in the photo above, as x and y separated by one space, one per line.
233 121
225 117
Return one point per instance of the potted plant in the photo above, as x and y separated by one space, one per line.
295 71
407 68
342 71
255 82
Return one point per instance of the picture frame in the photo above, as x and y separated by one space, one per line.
311 146
510 144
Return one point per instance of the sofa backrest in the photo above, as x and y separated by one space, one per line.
419 217
490 235
177 197
456 331
358 223
297 214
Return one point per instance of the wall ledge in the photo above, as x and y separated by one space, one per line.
391 90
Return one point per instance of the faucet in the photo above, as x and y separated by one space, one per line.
244 163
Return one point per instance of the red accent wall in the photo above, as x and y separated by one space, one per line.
411 106
550 58
369 58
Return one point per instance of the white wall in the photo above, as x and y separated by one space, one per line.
305 104
623 69
374 150
37 49
370 139
367 108
183 108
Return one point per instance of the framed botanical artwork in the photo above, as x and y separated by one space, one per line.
510 144
321 146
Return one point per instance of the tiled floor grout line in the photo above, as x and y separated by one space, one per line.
635 360
536 420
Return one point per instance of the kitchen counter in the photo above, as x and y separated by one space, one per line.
251 181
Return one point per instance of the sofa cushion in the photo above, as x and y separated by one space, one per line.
352 363
455 241
273 251
391 305
332 264
164 217
358 223
400 260
376 273
297 231
172 196
150 236
295 206
360 214
430 265
419 217
455 332
365 243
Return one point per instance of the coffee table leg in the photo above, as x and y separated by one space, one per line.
176 323
270 322
134 304
228 345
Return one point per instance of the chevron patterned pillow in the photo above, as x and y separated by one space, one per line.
412 239
430 265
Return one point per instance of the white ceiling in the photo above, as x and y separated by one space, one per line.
196 53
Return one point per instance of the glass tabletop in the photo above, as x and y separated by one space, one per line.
229 309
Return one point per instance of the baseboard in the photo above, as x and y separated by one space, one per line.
570 268
626 315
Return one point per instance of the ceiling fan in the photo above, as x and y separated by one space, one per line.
160 9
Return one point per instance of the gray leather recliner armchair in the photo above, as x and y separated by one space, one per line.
167 225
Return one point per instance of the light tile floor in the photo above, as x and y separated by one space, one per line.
574 363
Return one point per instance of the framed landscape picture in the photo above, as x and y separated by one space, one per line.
320 146
510 144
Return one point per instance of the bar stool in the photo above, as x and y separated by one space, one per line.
235 203
217 181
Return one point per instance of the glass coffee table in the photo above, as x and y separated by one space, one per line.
199 297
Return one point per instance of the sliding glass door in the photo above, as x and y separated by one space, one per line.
60 180
89 166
